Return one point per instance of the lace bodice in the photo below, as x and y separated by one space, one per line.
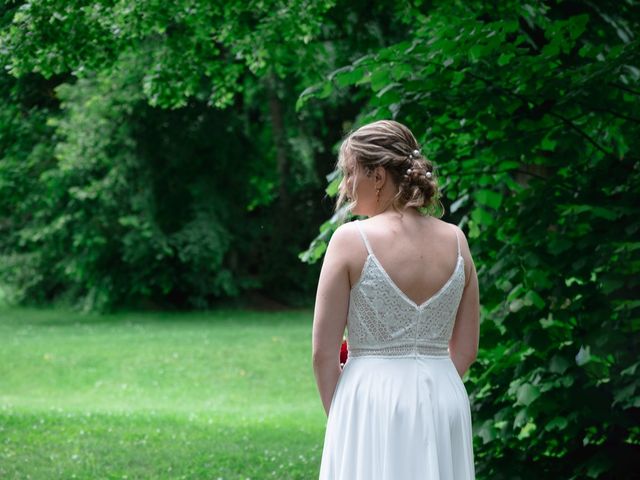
383 321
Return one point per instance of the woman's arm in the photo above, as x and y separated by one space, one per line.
330 314
463 346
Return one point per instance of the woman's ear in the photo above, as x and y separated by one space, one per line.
380 175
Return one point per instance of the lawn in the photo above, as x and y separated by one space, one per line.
219 395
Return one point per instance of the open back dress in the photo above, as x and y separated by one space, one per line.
400 410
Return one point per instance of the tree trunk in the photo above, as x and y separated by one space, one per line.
277 126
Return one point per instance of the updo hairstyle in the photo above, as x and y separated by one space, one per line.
390 144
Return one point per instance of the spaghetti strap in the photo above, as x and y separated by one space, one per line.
364 237
458 240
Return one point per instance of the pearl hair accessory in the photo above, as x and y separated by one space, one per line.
414 154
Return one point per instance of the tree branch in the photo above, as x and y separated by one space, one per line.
582 133
624 88
612 112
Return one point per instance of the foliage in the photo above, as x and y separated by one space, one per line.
151 153
176 172
26 149
530 113
103 229
198 50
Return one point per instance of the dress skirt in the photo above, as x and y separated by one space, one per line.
399 418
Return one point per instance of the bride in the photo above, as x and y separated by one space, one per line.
404 287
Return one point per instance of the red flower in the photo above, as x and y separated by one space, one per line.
344 352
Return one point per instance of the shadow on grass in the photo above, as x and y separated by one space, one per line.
65 317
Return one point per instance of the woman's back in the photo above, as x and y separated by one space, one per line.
400 409
404 286
419 253
383 320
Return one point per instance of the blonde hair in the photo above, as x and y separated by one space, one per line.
390 144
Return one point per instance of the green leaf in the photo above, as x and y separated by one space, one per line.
516 305
606 213
625 394
583 356
539 278
401 71
476 52
527 394
550 322
457 78
598 465
325 90
306 94
612 282
487 432
548 144
558 246
379 79
515 292
557 423
489 198
527 430
551 49
508 165
332 188
532 297
587 50
495 134
631 370
388 88
578 25
349 77
474 229
558 364
481 216
521 418
458 203
505 58
510 26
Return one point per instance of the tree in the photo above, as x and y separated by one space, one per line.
531 113
178 172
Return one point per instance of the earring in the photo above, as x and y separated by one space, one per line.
377 195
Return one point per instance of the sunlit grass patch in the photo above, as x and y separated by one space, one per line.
217 395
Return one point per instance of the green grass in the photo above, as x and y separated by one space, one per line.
226 394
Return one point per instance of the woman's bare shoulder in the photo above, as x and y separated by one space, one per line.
465 250
442 224
463 238
344 238
344 232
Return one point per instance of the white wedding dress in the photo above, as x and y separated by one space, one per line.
400 410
